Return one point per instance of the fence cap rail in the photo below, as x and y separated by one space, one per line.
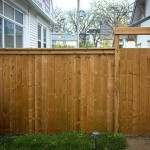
132 31
58 51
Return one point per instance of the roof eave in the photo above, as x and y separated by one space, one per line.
40 11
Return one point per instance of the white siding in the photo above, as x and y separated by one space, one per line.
143 39
34 20
147 9
31 20
33 29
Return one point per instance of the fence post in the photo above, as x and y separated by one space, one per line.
116 84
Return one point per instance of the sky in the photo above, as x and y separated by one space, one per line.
72 4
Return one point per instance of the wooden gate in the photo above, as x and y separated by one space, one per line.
132 93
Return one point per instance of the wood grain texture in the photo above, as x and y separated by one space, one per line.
57 93
134 91
132 31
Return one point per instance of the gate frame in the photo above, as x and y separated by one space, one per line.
122 31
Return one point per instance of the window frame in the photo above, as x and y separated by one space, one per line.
44 42
15 23
42 36
38 36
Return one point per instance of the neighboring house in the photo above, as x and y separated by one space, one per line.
104 35
141 18
64 39
25 23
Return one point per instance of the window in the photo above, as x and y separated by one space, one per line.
19 37
1 32
11 27
39 36
1 7
8 11
18 17
44 38
8 34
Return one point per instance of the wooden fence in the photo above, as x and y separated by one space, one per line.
58 90
54 91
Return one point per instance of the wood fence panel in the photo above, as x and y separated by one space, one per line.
134 99
53 93
56 93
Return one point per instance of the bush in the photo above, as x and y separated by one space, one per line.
66 141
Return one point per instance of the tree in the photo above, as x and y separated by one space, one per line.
85 23
60 20
115 13
109 14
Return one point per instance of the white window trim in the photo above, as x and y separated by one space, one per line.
12 21
42 35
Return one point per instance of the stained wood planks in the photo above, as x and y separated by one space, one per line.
47 93
134 99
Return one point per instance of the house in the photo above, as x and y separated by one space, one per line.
25 23
102 36
141 18
64 39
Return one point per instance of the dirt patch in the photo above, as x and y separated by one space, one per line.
138 143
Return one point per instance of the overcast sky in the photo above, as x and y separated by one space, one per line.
72 4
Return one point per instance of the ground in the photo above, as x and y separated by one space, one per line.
138 143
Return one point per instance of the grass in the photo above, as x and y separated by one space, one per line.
66 141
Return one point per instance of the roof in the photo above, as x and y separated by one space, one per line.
39 9
139 22
138 6
64 37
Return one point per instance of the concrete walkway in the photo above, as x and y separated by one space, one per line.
138 143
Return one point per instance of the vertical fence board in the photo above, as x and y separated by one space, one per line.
104 93
1 95
143 70
12 94
148 96
129 91
51 94
122 98
110 95
31 97
70 93
136 91
18 94
38 94
77 92
6 94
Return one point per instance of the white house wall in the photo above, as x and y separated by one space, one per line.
143 39
33 29
31 20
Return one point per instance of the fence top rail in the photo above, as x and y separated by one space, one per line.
57 51
132 31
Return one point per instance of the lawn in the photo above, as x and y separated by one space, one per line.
66 141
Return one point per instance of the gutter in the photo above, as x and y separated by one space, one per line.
139 22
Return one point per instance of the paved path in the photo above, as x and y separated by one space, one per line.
138 143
